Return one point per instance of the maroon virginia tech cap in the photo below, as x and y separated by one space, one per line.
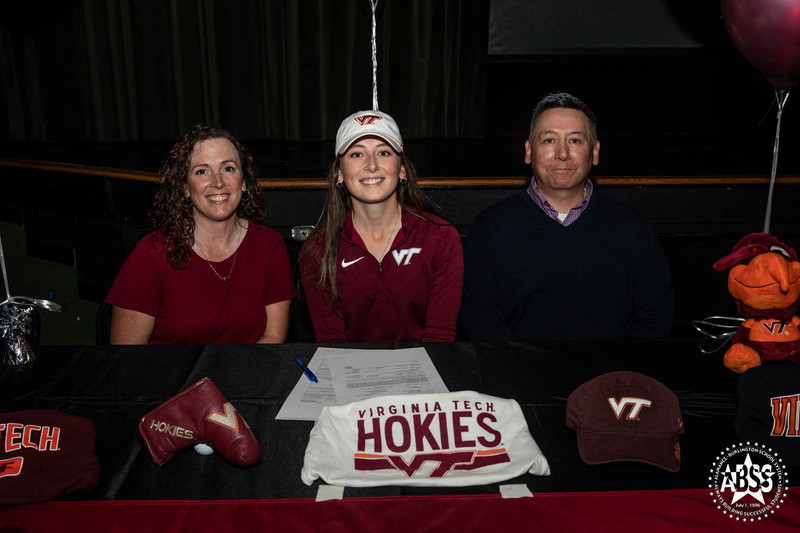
44 454
626 416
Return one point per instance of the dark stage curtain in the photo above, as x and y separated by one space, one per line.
146 70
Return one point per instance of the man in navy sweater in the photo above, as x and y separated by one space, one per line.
559 260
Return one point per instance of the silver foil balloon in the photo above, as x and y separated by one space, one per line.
15 325
16 318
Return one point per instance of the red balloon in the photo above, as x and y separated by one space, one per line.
767 33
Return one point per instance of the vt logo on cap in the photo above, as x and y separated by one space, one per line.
635 403
626 416
367 119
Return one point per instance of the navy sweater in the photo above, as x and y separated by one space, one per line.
528 277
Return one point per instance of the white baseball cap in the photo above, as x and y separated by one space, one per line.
364 123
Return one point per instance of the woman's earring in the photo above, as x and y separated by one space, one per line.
340 184
246 195
403 180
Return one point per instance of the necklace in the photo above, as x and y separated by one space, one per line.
214 270
391 237
233 265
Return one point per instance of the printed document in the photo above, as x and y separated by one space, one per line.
347 375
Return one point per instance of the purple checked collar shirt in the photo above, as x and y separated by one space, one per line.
545 206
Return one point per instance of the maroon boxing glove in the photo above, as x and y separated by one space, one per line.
199 414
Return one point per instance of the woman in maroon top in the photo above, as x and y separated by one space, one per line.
380 266
210 274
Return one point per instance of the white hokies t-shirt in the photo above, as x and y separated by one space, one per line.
453 439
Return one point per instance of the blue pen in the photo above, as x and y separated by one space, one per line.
309 374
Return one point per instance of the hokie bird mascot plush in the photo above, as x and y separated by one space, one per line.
764 279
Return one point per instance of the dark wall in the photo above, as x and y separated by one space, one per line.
668 112
542 26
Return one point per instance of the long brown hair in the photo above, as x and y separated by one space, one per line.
323 243
172 214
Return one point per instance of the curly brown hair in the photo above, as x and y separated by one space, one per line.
323 243
171 214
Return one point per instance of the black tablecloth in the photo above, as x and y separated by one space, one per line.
115 386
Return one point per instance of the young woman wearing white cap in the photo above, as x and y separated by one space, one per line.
380 266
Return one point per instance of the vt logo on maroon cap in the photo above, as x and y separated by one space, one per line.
635 403
626 416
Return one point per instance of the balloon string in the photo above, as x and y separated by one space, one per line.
5 274
781 95
716 328
374 5
22 300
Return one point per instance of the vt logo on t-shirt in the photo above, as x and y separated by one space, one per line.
403 257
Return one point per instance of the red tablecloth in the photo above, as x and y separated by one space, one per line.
653 511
